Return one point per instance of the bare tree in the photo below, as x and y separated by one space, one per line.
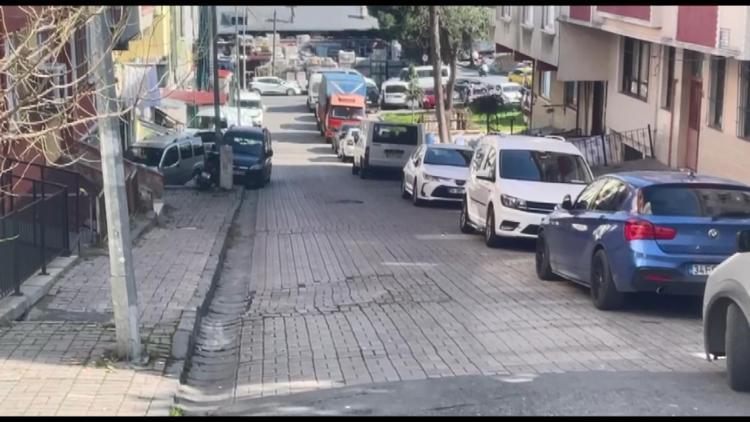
45 84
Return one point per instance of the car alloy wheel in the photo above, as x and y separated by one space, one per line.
541 259
415 193
603 290
490 238
404 193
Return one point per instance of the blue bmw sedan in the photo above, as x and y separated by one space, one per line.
646 231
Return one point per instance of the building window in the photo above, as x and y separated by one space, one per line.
716 91
743 115
636 56
669 59
545 84
571 94
548 17
527 15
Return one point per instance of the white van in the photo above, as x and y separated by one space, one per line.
514 181
382 145
313 84
425 76
393 94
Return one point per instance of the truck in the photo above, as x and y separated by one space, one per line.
332 84
344 109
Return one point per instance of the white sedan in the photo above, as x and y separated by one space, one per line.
436 172
273 85
345 150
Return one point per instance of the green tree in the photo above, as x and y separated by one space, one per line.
414 93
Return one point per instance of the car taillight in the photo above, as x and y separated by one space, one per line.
641 230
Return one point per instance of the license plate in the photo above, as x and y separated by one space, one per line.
702 269
456 190
393 153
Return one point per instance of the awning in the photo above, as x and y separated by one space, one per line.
545 67
586 54
197 98
140 86
502 49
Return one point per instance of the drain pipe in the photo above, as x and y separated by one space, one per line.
671 120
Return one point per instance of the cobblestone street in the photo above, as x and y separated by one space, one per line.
349 285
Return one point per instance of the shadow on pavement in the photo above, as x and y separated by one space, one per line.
299 126
297 137
298 108
309 119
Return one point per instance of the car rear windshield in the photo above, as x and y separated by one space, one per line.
448 157
395 134
349 113
250 104
146 155
543 166
512 88
395 89
245 143
695 201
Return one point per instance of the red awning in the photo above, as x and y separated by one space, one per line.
198 98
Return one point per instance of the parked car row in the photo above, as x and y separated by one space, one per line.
664 232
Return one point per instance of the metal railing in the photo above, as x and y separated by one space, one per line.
79 199
615 148
34 228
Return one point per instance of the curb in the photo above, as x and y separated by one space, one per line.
34 289
183 340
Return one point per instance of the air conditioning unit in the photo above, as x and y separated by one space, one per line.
723 37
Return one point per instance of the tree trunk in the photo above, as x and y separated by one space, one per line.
436 64
451 84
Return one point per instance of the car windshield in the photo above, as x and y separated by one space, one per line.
250 104
695 201
512 88
448 157
543 166
250 143
205 122
149 156
349 113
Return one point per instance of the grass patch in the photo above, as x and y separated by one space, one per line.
175 411
403 118
502 122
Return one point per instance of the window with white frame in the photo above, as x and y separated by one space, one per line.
527 15
571 94
635 66
548 17
545 84
716 91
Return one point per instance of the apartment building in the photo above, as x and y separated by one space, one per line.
681 70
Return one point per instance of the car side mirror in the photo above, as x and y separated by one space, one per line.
743 241
270 153
567 203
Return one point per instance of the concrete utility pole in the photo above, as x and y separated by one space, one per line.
237 68
436 70
215 67
273 46
122 275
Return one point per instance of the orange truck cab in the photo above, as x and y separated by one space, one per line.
343 109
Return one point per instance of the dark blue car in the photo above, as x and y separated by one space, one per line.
649 231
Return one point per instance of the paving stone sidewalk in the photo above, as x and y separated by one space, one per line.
55 362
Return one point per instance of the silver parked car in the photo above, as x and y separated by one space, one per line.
273 85
726 312
178 158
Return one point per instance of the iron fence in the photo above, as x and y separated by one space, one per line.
34 228
615 148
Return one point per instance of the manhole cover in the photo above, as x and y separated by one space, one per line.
346 201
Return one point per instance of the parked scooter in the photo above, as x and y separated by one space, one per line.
209 174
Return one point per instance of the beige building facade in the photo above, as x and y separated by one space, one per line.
681 71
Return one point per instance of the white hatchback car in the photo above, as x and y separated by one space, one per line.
345 149
272 85
436 173
726 312
516 180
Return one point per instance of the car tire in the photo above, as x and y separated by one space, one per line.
415 194
355 169
289 92
604 293
464 222
491 239
362 171
543 268
738 349
404 193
